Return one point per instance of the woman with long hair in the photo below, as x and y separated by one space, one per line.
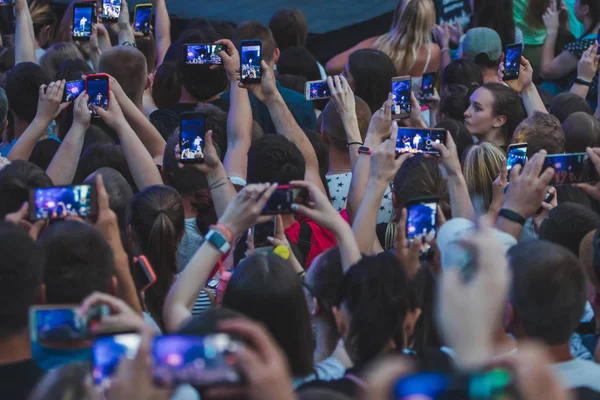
408 43
482 163
496 15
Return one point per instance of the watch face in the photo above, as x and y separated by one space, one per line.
218 240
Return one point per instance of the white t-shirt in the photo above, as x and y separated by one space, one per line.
578 374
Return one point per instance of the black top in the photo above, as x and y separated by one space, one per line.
18 379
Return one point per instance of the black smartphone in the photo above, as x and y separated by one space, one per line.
143 273
315 90
401 89
73 89
250 58
201 361
60 202
419 140
512 62
107 353
111 9
282 199
84 15
571 168
202 54
98 90
427 87
63 322
517 155
142 17
260 233
191 137
421 220
598 37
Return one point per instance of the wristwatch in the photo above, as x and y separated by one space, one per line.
218 241
364 150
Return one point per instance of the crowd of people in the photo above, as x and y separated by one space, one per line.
389 274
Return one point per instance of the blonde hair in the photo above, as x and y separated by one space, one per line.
411 29
482 164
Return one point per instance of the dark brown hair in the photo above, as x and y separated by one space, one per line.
255 30
128 66
289 28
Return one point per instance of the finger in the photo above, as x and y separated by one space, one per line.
42 91
252 333
595 157
103 200
61 90
441 218
387 107
393 137
589 189
345 84
402 228
250 243
532 164
414 103
504 172
338 85
116 305
384 375
262 200
515 172
19 215
279 230
547 176
63 106
36 228
275 242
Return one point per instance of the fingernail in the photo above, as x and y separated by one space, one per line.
295 207
270 238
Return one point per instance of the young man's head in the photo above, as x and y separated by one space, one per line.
16 180
274 159
119 191
567 103
540 131
332 128
483 46
128 66
255 30
547 296
289 28
21 272
79 262
23 89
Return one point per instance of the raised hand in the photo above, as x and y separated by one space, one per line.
551 19
230 57
384 160
81 112
449 162
50 101
319 209
266 91
592 190
121 317
342 96
525 79
113 117
587 67
211 157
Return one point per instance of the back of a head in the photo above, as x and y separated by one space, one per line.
71 70
567 224
567 103
496 15
103 155
166 88
374 293
67 381
274 159
187 180
292 82
147 45
371 75
581 131
289 28
128 66
298 61
79 262
324 279
118 190
483 46
57 54
461 135
215 120
23 89
43 152
540 131
16 180
455 101
207 323
44 21
482 164
266 289
548 290
332 127
507 102
21 272
157 222
250 30
462 72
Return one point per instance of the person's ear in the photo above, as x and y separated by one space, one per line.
341 323
114 284
499 121
276 54
41 295
148 82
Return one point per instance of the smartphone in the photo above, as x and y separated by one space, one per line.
424 386
315 90
260 233
84 15
427 87
191 137
98 90
512 62
202 54
107 353
250 58
60 202
282 199
6 2
111 9
598 37
72 90
421 220
401 89
517 155
419 140
143 273
571 168
141 19
201 361
64 322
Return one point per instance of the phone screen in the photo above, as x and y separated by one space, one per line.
425 386
63 201
3 2
571 168
427 86
251 57
82 21
142 19
512 63
419 140
260 233
63 322
73 89
197 360
517 155
108 351
282 199
111 9
318 90
421 222
192 140
401 97
97 90
203 54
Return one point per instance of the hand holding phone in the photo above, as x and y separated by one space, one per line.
419 140
571 169
142 18
250 61
111 9
64 323
316 90
72 90
98 90
191 137
202 54
84 15
512 62
261 233
421 221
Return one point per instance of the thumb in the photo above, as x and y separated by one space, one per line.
101 112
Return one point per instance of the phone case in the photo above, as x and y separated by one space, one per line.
146 267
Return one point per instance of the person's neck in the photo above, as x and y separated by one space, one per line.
339 162
490 75
559 353
15 349
326 340
187 98
502 342
288 220
495 136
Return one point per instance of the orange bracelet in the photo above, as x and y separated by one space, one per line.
225 231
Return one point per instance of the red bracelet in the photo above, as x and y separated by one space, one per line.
225 231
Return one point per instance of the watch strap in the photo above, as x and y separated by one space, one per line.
512 216
218 241
580 81
364 150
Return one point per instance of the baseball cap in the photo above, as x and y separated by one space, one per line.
482 40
